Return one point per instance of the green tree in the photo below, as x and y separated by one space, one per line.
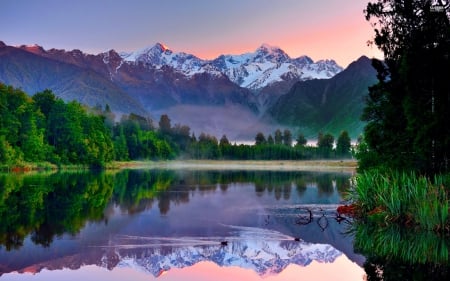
120 146
164 124
325 144
31 137
98 145
180 135
44 101
343 144
260 139
278 137
287 137
408 110
301 140
224 141
8 155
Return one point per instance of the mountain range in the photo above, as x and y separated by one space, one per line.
266 252
207 95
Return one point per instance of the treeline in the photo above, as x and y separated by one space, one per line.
44 128
277 147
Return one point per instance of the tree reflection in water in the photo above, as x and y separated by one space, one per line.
395 253
48 205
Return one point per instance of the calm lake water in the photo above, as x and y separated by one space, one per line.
183 225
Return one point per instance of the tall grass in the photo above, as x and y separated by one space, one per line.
397 243
402 197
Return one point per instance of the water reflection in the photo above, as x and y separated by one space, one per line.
394 253
45 206
171 219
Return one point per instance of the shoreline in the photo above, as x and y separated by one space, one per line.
347 165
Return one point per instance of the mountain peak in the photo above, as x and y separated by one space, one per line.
270 53
161 47
267 47
36 49
150 54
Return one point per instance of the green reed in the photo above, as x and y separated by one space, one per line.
394 242
402 197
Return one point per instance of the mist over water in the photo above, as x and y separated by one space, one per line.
236 122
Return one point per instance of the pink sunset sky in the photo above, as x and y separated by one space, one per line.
324 29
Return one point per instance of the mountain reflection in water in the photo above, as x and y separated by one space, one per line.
160 221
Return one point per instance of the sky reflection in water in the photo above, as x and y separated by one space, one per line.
176 235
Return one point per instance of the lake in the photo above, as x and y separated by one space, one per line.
179 224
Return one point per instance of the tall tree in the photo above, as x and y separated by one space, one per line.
44 101
164 124
325 144
301 140
408 110
343 144
260 138
224 141
278 137
287 137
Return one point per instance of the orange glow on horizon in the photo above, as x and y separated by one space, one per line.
342 269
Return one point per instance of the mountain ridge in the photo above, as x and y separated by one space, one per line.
207 95
323 103
252 70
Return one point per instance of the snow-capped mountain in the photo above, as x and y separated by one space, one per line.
264 251
254 71
269 64
159 55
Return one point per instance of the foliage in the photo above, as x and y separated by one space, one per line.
404 198
45 128
343 144
301 140
287 137
48 206
394 252
44 206
260 139
408 110
325 144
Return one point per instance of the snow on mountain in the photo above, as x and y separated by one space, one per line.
254 71
159 55
263 251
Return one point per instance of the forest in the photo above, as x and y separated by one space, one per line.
45 129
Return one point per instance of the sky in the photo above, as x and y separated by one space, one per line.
324 29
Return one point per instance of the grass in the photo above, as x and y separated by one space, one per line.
404 198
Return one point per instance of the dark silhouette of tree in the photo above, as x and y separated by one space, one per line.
287 137
164 124
325 144
260 139
278 137
343 144
301 140
270 140
44 101
224 141
407 112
